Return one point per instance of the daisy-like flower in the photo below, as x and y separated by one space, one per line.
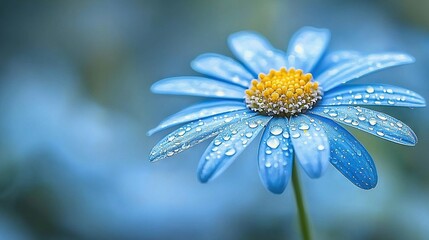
297 98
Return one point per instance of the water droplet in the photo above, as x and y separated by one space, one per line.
217 142
268 151
391 102
400 125
268 164
389 91
379 133
286 135
273 142
358 96
198 129
361 118
320 147
233 132
359 153
296 135
171 138
249 134
355 123
253 124
347 120
181 132
169 154
215 149
303 126
333 113
226 137
276 130
230 152
381 117
372 121
244 141
228 119
370 89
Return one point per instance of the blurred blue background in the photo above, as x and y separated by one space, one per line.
75 108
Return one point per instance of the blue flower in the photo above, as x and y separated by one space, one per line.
297 98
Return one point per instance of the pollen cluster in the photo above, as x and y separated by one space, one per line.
283 93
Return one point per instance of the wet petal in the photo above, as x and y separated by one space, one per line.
361 66
334 58
222 67
276 155
311 145
256 52
228 145
197 86
195 132
348 155
306 47
372 94
376 123
198 111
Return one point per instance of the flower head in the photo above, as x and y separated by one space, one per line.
297 98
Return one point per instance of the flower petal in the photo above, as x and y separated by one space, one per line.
334 58
348 155
370 121
372 94
228 145
198 111
256 52
361 66
306 47
311 145
194 133
276 155
222 67
198 86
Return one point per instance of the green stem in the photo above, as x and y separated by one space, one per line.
303 219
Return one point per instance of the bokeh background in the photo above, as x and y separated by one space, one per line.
75 108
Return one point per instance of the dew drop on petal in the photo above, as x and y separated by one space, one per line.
379 133
286 135
181 133
276 130
370 89
273 142
253 124
320 147
359 153
171 138
372 121
230 152
361 118
381 117
296 135
303 126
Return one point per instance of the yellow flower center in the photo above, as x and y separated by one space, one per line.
283 93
